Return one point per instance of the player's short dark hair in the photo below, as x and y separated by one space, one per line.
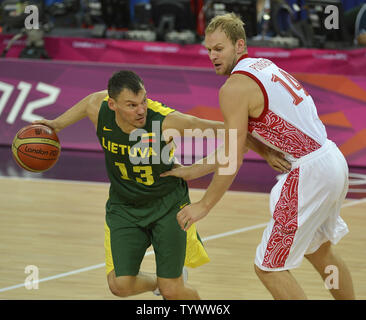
124 79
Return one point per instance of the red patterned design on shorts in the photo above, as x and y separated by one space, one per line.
283 135
285 226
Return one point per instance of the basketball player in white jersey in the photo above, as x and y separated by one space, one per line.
266 101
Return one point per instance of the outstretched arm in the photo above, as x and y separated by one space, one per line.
182 124
178 124
87 107
209 164
274 158
198 169
234 103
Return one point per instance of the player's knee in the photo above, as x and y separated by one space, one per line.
261 273
324 253
257 270
120 291
120 287
170 291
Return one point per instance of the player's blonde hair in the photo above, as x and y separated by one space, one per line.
229 23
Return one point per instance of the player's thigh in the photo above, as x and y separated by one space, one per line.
127 245
169 242
286 236
300 203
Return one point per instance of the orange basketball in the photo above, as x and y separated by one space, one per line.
36 148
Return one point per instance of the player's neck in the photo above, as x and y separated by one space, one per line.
241 56
124 126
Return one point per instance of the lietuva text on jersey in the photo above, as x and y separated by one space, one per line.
124 149
134 161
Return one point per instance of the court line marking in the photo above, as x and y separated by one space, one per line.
98 183
148 253
100 265
354 202
217 236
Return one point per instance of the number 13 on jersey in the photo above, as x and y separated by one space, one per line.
145 172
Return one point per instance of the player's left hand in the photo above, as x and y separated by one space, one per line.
277 161
185 172
191 214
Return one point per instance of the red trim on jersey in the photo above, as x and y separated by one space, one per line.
278 131
283 135
285 226
244 56
265 95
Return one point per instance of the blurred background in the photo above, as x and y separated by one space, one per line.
275 23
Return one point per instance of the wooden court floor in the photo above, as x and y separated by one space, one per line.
57 226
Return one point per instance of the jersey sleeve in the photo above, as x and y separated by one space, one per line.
101 115
159 107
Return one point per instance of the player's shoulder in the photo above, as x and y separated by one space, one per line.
93 104
158 107
98 97
238 84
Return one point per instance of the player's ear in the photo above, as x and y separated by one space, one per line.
240 46
112 104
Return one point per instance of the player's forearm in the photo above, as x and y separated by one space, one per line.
211 124
224 175
201 129
206 165
217 188
255 145
71 116
198 124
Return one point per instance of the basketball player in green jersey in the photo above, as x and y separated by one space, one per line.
142 206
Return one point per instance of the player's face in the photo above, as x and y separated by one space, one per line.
131 109
221 52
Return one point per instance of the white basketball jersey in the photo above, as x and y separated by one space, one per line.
289 121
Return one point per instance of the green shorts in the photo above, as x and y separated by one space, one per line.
126 242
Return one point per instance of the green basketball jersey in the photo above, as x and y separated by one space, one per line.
135 161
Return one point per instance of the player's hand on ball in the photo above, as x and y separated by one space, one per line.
50 123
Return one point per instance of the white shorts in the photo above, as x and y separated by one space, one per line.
305 206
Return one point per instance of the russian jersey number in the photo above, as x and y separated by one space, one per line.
294 84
